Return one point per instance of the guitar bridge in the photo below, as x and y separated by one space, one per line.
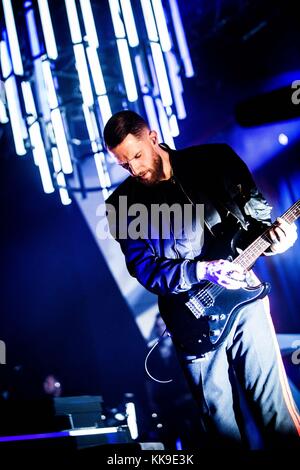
195 307
197 303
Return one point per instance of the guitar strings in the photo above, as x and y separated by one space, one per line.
289 216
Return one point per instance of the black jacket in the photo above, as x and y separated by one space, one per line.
212 174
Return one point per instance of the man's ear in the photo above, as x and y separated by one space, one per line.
153 137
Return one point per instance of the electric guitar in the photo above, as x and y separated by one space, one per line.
200 320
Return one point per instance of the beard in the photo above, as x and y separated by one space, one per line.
155 174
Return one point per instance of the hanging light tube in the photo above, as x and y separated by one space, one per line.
155 90
141 74
3 114
60 178
124 54
30 109
161 24
173 125
106 173
116 19
94 146
176 84
127 70
50 88
99 158
89 123
12 37
164 124
96 70
80 58
89 23
47 26
61 141
83 74
39 155
129 21
103 174
100 171
161 74
6 64
37 144
41 90
105 108
38 69
33 35
181 39
73 21
149 20
151 115
14 109
15 115
95 128
4 119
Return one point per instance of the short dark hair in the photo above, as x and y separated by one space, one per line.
120 125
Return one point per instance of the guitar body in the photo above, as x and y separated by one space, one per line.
197 336
200 320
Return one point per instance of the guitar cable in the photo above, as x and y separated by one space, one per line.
147 357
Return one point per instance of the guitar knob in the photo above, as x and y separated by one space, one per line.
222 316
213 317
214 332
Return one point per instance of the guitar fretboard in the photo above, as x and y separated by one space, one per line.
246 259
262 243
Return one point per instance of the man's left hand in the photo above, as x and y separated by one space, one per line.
283 236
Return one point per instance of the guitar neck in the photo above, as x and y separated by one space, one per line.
248 257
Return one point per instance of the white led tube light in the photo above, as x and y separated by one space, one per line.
61 141
12 37
161 73
127 70
129 21
39 155
164 124
83 74
105 108
73 21
89 23
161 23
116 18
47 26
149 20
181 39
60 178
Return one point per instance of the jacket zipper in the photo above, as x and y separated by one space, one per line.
175 180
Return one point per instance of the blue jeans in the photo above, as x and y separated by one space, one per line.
242 388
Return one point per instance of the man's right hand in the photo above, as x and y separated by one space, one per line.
222 272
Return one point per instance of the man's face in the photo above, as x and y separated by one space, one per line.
139 156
